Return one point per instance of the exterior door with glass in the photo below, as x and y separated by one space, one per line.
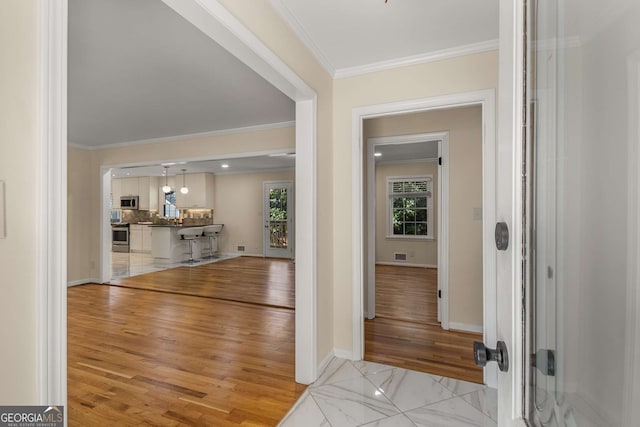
278 219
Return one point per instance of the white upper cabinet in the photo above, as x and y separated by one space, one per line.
116 192
130 187
145 187
201 191
143 193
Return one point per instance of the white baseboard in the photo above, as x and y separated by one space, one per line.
325 362
407 264
343 354
82 282
466 327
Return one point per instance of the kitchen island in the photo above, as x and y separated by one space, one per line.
168 246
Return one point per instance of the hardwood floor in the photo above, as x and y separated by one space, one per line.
407 293
405 332
266 281
137 357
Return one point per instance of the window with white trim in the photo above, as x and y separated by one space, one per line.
410 203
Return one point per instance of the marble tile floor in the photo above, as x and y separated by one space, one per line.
133 264
370 394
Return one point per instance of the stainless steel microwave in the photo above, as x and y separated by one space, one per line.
129 202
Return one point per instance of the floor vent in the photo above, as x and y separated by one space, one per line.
400 256
240 248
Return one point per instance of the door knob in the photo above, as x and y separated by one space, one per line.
482 355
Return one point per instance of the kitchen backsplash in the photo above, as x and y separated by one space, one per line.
135 216
189 216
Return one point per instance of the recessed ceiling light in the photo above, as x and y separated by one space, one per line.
224 166
377 154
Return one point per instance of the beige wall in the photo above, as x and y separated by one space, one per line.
465 193
82 209
457 75
20 150
419 252
238 205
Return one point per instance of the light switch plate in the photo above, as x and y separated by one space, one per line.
3 225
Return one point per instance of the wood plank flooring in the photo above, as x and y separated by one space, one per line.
137 357
405 332
407 293
266 281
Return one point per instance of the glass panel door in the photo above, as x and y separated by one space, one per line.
582 216
278 219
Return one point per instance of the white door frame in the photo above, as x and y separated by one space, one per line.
215 21
509 155
290 216
443 217
485 98
51 327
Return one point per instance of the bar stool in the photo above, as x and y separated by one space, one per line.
190 234
211 233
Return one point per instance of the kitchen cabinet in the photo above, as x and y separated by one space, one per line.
201 191
145 187
147 239
152 193
143 193
130 187
116 192
140 239
135 238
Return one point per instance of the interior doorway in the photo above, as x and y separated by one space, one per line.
483 212
410 208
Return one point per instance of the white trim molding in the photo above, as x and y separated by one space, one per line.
485 98
407 264
466 327
82 282
295 25
422 58
176 138
51 172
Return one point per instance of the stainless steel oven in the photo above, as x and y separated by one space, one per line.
120 237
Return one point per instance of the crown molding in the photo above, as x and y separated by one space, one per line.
176 138
289 18
422 58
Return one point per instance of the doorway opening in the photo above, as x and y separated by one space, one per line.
481 214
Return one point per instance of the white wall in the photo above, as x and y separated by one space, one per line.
19 142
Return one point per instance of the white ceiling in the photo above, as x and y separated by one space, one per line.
138 71
357 33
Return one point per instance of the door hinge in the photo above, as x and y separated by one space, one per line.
440 161
439 293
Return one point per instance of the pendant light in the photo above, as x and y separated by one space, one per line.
166 189
184 189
